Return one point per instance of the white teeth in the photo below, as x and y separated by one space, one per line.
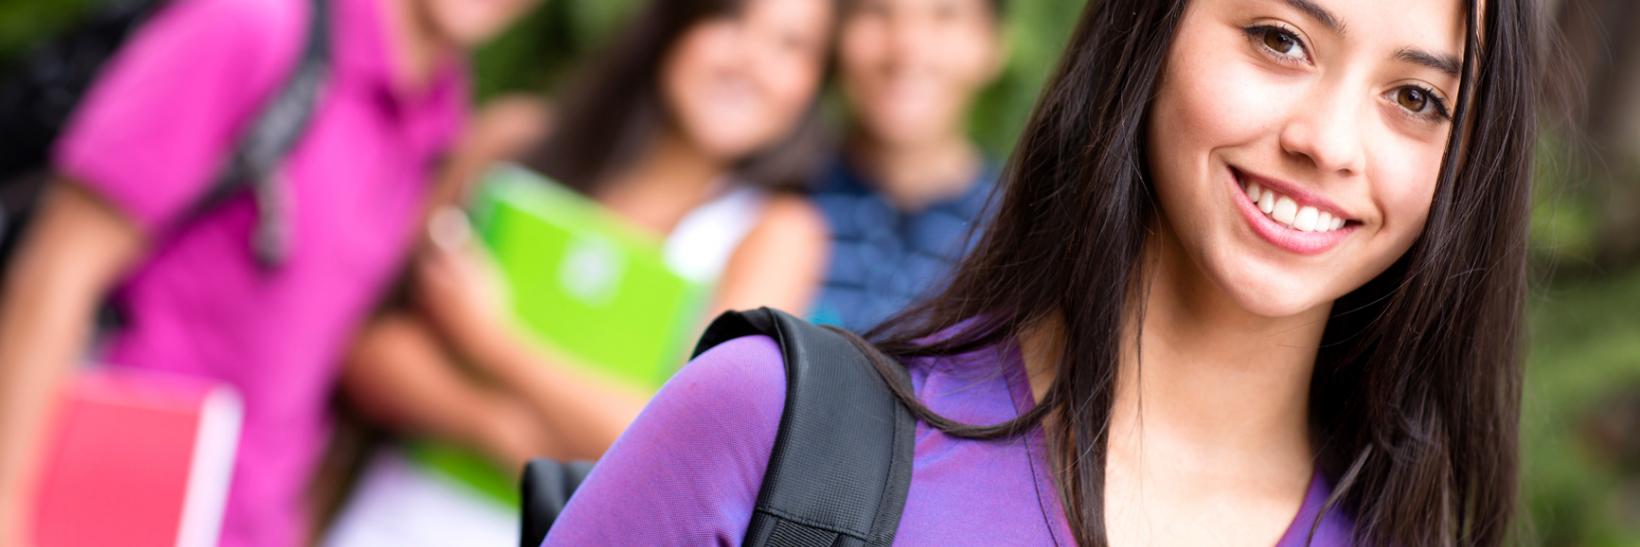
1305 221
1287 211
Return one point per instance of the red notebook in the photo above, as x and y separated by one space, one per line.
137 458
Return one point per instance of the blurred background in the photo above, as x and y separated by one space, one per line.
1582 410
1581 417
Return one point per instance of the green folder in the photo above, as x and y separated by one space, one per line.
584 282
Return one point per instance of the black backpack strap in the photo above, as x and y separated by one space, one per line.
546 489
262 147
841 464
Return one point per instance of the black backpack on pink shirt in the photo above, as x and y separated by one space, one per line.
839 472
38 96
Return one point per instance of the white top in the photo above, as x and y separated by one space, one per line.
701 244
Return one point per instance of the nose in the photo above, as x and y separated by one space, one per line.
910 40
1325 130
741 48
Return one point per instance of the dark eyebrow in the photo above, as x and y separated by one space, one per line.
1315 11
1444 63
1447 64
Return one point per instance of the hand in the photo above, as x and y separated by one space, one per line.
512 435
456 284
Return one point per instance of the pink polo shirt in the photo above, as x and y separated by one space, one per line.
150 138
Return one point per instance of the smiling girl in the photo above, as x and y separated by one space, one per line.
692 127
1255 278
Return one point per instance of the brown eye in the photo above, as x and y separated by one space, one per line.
1280 42
1419 102
1412 99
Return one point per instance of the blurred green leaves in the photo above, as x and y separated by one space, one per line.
23 22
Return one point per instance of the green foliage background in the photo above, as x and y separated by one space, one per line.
1585 329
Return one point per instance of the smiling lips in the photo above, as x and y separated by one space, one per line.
1302 224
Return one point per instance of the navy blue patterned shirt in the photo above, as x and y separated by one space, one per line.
884 258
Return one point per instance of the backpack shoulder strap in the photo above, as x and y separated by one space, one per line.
544 491
268 137
841 464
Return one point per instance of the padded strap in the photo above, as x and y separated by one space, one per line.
841 464
269 137
545 490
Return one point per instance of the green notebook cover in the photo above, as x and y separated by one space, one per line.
585 283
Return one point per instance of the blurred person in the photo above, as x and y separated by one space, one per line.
194 296
909 183
1257 277
693 126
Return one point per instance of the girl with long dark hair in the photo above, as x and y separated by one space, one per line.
1256 277
693 126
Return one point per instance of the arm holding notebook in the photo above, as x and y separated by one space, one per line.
407 369
515 395
410 363
75 250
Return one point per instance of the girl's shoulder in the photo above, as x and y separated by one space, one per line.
728 401
698 451
745 377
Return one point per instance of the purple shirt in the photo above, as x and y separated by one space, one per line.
150 138
688 471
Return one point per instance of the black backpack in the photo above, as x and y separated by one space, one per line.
39 94
839 472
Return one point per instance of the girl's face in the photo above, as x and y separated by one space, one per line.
1296 144
910 68
468 23
735 85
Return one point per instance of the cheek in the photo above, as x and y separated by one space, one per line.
792 83
1221 102
788 84
674 89
969 55
686 72
1209 99
1405 187
801 84
785 102
862 47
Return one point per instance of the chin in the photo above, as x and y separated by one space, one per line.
464 30
1273 294
908 133
730 149
1274 305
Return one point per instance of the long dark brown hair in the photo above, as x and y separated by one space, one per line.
615 111
1415 396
